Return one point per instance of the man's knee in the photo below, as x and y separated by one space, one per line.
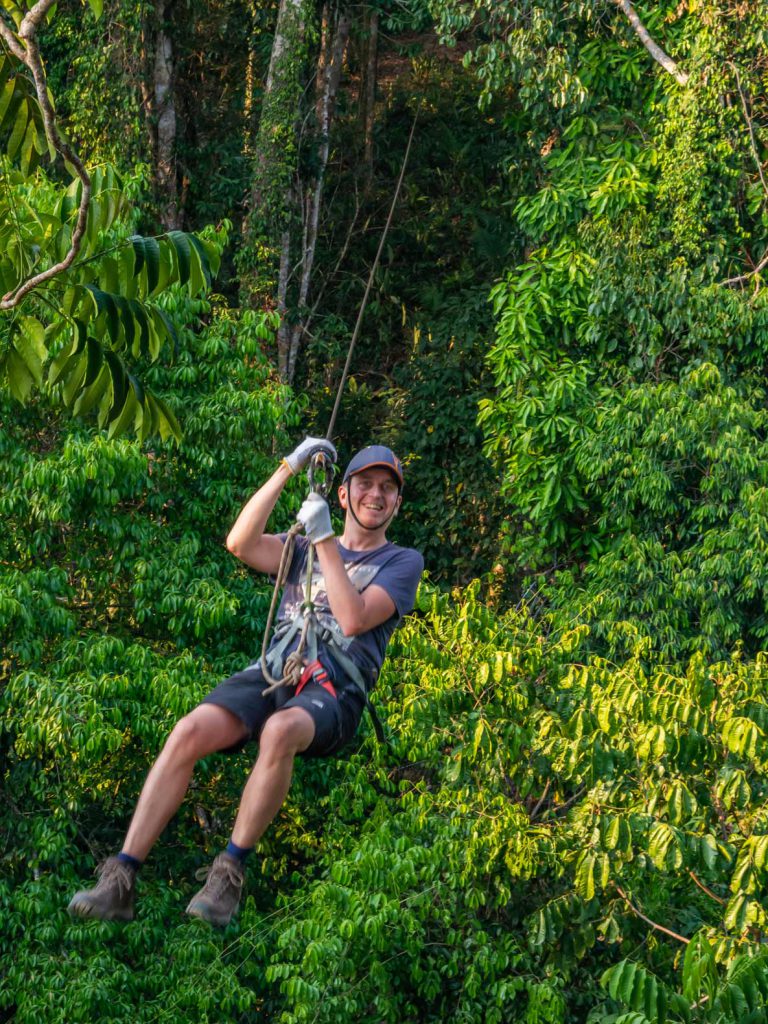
287 733
206 729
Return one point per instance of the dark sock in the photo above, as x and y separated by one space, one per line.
126 858
238 852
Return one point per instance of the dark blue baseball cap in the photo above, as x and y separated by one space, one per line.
374 455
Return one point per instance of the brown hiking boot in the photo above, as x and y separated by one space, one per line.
219 898
111 899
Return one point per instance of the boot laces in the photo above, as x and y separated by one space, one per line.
112 871
221 875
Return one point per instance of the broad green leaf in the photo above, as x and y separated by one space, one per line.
95 359
29 342
27 152
105 303
181 248
119 384
166 420
125 416
152 259
5 99
64 361
74 377
166 327
585 875
18 132
20 380
90 396
200 251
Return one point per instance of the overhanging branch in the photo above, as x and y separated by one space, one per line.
652 47
24 47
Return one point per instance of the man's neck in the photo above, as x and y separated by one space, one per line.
356 539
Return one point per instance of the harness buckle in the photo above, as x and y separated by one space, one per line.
315 672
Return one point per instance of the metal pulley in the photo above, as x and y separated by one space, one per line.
320 474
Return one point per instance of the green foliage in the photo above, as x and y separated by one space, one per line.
113 300
741 995
84 332
677 475
20 117
491 867
647 199
570 824
449 498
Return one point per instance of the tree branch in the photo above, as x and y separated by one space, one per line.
29 55
641 915
653 48
731 282
748 119
706 889
540 801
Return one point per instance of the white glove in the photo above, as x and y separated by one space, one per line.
315 516
300 456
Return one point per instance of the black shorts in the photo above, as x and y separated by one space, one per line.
336 718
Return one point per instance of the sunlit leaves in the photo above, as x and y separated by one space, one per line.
22 133
113 311
108 307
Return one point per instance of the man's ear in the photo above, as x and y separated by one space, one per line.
342 493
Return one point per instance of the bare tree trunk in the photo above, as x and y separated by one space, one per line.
165 107
268 227
159 106
329 78
250 85
283 331
368 89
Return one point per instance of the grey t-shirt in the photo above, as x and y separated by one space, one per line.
396 570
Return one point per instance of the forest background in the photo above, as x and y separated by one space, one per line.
566 342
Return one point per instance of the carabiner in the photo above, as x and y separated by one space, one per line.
320 473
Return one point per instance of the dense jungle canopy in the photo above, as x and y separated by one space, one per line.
566 342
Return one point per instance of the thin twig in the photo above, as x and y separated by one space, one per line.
653 924
541 800
750 126
706 889
743 278
568 803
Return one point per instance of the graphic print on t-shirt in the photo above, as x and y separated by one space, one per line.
360 575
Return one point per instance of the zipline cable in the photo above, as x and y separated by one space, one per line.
292 669
374 268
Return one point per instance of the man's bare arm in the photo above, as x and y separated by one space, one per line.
355 612
247 540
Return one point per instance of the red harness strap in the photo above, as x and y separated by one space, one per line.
314 671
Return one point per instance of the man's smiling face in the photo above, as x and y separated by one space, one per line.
374 495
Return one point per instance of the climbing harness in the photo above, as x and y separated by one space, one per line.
279 669
320 475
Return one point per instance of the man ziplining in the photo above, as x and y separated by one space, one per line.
360 587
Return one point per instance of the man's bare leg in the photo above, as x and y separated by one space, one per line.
284 736
205 730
